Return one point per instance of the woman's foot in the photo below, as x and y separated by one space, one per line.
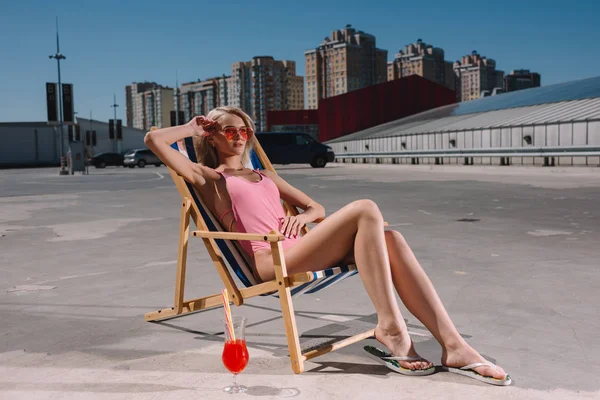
400 344
466 355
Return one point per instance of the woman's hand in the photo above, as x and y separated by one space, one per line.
203 126
291 225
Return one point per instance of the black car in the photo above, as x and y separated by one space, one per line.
295 148
141 157
102 160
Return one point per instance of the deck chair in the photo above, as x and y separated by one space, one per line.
227 256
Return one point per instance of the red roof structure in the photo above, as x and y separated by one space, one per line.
364 108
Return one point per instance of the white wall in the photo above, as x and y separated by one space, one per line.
551 135
37 144
132 138
28 144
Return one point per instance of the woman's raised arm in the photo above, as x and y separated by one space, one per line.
160 140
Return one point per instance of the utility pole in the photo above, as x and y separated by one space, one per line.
178 120
91 134
176 95
58 56
114 106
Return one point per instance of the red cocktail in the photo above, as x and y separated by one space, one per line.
235 355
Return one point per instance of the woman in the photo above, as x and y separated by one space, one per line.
249 201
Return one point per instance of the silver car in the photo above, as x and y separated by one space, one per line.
140 157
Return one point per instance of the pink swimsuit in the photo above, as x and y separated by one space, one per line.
256 208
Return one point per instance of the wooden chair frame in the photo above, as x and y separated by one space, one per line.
283 283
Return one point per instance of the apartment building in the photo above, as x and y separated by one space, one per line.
131 92
521 79
422 59
476 74
347 60
264 84
201 96
148 104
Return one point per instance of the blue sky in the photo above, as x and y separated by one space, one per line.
110 44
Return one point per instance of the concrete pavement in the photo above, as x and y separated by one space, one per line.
513 253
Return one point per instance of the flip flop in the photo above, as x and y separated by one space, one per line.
392 363
467 370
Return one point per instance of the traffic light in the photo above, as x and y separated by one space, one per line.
111 129
119 130
93 138
88 138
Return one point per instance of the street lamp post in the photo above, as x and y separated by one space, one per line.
114 105
58 56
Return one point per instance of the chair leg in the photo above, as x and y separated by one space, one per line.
287 309
184 233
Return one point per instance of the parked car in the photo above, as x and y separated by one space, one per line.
295 148
141 157
102 160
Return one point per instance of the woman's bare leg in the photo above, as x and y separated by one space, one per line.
419 296
358 226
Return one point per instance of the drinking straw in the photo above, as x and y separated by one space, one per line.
228 318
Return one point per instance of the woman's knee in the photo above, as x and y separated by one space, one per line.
368 209
395 236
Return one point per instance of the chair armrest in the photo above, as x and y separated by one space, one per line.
268 237
316 221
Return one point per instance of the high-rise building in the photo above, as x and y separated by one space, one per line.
424 60
148 105
476 74
295 92
131 92
521 79
265 84
346 61
224 87
158 104
199 97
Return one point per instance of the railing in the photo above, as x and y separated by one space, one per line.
571 151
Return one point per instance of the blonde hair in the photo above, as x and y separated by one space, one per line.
207 154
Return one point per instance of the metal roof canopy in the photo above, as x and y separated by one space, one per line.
564 102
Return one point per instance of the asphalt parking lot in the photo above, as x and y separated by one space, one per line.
513 253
